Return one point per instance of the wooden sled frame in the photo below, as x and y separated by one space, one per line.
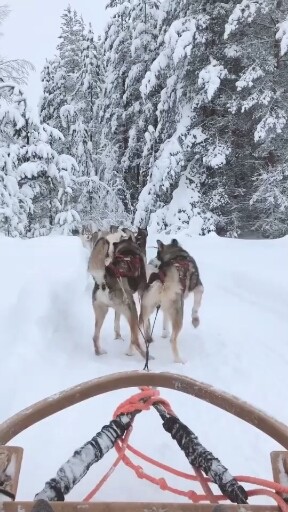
56 403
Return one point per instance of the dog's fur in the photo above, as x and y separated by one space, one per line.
129 233
165 289
115 234
86 235
152 267
89 237
113 238
140 238
109 291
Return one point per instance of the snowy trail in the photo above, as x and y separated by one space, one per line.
46 323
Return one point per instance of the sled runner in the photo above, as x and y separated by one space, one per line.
206 469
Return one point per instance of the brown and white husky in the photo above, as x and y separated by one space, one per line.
89 237
113 290
176 277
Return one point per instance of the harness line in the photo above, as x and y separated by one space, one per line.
233 491
146 366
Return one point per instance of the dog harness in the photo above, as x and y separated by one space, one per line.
126 266
182 266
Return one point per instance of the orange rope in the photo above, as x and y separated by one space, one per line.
130 406
143 401
97 487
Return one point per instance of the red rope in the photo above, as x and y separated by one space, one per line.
143 401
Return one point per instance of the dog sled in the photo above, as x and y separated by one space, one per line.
206 469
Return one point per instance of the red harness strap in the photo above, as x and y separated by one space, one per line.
182 266
156 276
126 266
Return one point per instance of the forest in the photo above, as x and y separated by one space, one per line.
174 118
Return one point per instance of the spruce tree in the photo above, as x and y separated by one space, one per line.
33 173
139 113
221 117
70 47
115 132
259 106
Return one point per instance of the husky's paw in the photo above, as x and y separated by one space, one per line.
195 321
118 336
179 360
100 352
165 334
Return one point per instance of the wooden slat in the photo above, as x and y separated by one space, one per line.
279 461
10 465
136 507
45 408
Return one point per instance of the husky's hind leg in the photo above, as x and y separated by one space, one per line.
130 312
100 311
198 293
117 326
175 313
150 300
165 329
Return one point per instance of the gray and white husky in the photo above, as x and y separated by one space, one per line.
175 276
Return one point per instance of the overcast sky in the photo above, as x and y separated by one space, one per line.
32 29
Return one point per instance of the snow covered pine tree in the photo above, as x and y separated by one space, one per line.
71 102
13 205
180 192
140 112
115 132
261 107
42 179
221 118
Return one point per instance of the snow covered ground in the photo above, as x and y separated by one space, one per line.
46 326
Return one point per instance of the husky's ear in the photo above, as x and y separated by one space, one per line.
175 242
160 245
128 233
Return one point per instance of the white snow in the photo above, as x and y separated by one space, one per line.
216 156
249 76
270 125
210 77
46 325
282 34
244 11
